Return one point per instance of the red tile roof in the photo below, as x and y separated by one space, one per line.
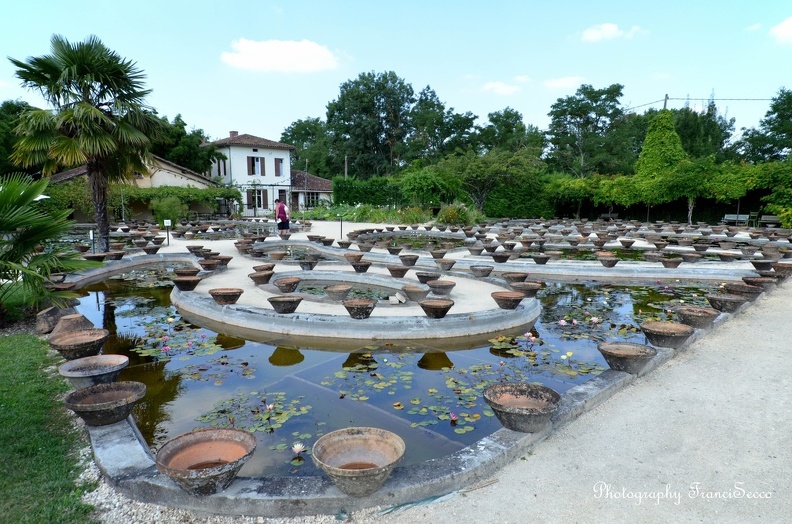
246 140
302 181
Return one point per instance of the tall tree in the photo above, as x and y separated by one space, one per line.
437 131
185 148
10 110
98 117
704 133
311 144
773 139
506 130
369 123
579 127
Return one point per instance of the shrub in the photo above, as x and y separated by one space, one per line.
458 214
170 208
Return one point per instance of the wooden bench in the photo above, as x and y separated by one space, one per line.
609 216
737 220
769 220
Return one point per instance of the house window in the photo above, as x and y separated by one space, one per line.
256 198
311 199
278 166
282 196
255 166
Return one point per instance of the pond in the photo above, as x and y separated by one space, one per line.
292 395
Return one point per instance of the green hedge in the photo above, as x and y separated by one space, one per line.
378 191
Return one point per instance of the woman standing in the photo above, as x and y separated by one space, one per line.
281 216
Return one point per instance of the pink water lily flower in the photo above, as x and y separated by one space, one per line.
298 448
562 322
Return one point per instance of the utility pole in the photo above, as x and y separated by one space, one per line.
665 101
346 167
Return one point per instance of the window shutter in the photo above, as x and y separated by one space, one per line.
251 166
249 198
265 197
278 166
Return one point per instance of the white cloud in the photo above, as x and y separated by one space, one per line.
522 79
289 56
608 31
783 32
565 82
500 88
754 27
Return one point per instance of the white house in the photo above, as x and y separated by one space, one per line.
260 168
309 190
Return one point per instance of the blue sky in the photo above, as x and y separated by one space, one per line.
257 66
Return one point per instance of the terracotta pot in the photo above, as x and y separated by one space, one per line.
308 265
260 278
445 264
671 262
625 356
226 295
365 248
353 257
78 344
105 404
514 276
529 289
358 460
361 267
337 292
522 406
697 317
608 261
408 260
209 265
415 293
666 334
441 287
264 267
95 257
186 283
762 265
359 308
501 257
186 272
277 255
285 304
205 461
541 258
436 307
726 302
287 284
768 284
223 260
425 276
89 371
481 271
151 250
395 250
438 253
398 271
507 299
746 290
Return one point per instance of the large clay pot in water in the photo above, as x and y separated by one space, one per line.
697 317
626 356
358 460
205 461
78 344
105 404
666 334
521 406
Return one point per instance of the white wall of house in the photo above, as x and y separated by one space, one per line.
265 171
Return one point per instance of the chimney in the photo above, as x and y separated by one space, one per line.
234 134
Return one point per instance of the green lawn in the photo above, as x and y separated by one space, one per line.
37 440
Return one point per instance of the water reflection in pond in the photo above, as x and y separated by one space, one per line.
287 394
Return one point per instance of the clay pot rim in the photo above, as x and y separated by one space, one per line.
226 291
247 439
75 400
666 328
285 298
436 302
102 364
365 434
93 336
440 283
626 349
699 312
507 294
357 302
494 392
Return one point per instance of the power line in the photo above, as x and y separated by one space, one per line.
688 99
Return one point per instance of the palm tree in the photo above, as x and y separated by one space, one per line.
98 117
24 226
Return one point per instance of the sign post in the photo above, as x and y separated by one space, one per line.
167 224
93 244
